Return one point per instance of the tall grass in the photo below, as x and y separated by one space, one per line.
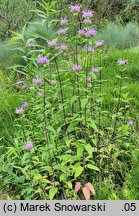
119 36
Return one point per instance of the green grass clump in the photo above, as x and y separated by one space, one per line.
119 36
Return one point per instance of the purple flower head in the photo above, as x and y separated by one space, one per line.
38 81
95 70
43 60
62 31
41 94
99 43
90 49
130 122
24 86
19 111
75 8
76 68
97 101
90 32
25 105
89 79
87 21
88 13
51 43
63 47
64 21
29 145
81 31
53 82
122 62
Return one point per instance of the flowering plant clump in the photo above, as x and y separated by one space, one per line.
72 134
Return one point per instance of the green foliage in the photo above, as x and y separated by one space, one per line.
119 36
131 187
14 14
8 99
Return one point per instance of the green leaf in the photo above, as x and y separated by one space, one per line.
39 190
94 141
90 166
89 149
84 102
78 171
73 99
92 125
80 148
68 142
63 177
51 129
52 192
69 184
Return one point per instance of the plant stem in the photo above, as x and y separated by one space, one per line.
61 91
99 123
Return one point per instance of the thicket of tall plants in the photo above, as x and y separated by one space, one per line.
68 144
13 16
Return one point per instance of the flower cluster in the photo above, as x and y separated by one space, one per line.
87 14
51 43
90 49
87 21
81 31
63 21
99 43
130 122
23 85
95 69
122 62
53 82
29 145
76 68
43 60
63 47
22 108
89 32
38 81
62 31
75 8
